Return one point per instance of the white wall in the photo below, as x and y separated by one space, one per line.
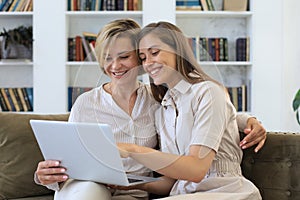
276 69
291 64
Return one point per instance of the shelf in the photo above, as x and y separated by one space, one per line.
216 14
10 14
81 63
16 63
105 14
229 63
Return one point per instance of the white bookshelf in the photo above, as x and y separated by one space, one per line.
272 77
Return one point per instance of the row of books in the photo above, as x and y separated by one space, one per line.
209 49
216 49
104 5
73 93
16 5
205 5
82 48
16 99
238 97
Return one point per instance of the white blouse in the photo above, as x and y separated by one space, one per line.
98 106
202 114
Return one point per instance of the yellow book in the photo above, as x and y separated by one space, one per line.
22 99
14 100
6 99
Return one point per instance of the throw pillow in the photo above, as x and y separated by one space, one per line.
20 154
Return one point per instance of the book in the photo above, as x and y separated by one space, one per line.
27 100
210 5
14 99
12 7
5 97
15 91
204 5
78 48
10 101
241 49
3 103
29 92
87 50
22 99
188 5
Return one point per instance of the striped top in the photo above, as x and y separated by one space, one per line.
98 106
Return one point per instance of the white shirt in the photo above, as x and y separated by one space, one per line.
98 106
202 114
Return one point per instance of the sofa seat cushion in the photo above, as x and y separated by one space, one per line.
20 154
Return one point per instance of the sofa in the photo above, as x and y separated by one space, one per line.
275 169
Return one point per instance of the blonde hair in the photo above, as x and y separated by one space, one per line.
113 30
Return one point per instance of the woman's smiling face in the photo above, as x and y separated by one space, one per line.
121 62
159 60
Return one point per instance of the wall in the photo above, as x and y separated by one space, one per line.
291 64
275 65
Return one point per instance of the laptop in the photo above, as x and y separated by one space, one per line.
87 150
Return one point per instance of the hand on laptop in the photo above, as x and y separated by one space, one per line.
50 171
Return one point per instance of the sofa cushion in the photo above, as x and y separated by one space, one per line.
20 154
275 168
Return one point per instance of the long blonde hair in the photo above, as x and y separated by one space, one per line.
186 63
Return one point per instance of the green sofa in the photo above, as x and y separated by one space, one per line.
274 170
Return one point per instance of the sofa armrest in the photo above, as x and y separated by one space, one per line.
275 168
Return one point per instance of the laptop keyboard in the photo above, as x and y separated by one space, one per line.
131 180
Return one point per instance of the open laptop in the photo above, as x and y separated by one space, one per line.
87 150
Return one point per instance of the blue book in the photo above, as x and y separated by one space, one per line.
29 92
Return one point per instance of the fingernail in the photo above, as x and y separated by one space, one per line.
65 177
243 147
63 170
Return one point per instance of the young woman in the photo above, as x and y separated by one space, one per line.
124 103
199 137
127 106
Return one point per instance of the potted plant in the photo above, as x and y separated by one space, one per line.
296 105
17 43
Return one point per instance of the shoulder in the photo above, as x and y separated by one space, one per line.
208 88
89 96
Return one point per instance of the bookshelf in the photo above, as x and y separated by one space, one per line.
226 24
50 73
16 73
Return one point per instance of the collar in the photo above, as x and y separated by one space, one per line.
180 88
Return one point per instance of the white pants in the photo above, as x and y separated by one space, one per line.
87 190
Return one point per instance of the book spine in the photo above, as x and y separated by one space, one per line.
14 99
16 94
2 103
19 90
13 108
7 102
26 98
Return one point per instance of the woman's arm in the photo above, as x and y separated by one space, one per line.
192 167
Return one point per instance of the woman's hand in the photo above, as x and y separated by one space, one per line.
50 171
255 134
125 149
